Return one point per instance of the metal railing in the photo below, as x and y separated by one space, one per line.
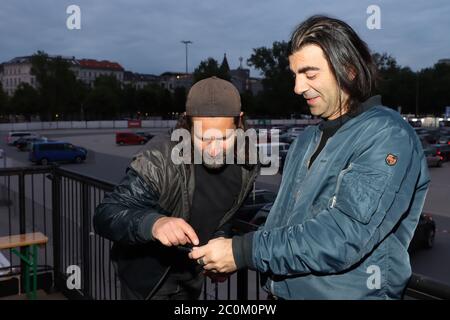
61 204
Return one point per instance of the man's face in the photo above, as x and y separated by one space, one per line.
213 138
315 81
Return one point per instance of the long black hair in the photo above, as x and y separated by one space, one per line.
345 52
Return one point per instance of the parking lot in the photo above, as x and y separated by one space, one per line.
108 161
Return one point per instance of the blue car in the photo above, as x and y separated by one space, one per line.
56 151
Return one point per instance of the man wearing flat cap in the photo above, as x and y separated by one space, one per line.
162 207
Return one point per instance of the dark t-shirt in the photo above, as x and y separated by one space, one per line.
215 193
330 127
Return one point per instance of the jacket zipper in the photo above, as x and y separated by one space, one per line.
338 185
157 285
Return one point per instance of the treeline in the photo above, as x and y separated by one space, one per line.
60 96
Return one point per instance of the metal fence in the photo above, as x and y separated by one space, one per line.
61 203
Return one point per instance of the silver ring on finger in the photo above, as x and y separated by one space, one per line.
200 261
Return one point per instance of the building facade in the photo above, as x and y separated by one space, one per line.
88 70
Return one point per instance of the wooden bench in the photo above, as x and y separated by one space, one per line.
29 242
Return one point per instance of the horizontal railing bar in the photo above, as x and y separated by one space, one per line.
104 185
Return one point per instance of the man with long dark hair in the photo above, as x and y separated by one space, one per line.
164 205
353 186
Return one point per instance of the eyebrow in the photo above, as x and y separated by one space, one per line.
217 138
307 68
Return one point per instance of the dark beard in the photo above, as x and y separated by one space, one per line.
215 165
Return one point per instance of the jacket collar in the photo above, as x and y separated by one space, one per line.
363 107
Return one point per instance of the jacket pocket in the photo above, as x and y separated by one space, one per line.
359 190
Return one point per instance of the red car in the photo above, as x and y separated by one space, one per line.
130 138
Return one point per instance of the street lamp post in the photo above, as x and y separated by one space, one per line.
186 43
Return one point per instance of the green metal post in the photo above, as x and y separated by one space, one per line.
34 259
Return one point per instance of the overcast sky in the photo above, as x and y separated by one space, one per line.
144 35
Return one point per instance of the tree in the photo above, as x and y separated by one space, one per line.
128 100
59 90
179 99
25 101
209 68
278 97
433 86
147 99
3 101
103 101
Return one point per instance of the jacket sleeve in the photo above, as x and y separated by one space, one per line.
127 214
371 196
224 231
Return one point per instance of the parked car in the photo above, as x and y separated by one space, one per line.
443 150
431 136
286 138
267 150
444 124
123 138
145 134
294 132
13 136
415 123
423 236
433 158
281 129
24 144
421 131
56 151
256 200
444 139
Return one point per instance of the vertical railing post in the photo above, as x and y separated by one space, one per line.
242 284
86 230
22 217
22 222
56 222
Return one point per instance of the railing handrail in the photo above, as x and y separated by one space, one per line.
99 183
423 287
419 287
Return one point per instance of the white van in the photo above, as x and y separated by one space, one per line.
13 136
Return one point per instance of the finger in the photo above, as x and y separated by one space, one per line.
198 252
189 232
179 234
163 239
210 267
172 238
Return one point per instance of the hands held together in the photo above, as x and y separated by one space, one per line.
216 256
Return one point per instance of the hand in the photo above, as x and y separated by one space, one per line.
217 255
172 231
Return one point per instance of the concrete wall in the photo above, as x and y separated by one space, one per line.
33 126
123 124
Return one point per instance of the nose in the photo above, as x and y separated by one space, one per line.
214 148
300 85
